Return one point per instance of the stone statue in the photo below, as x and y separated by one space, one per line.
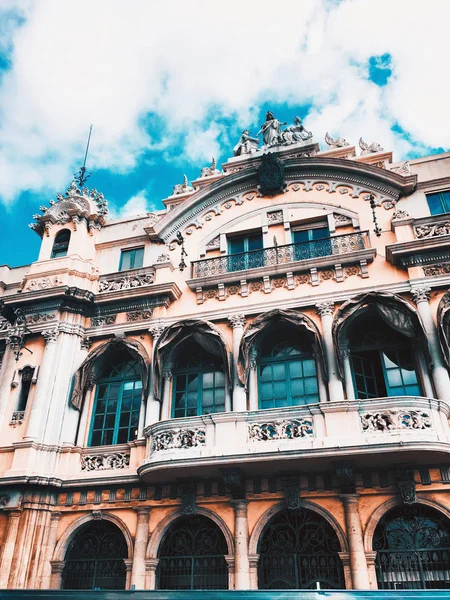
369 148
337 143
295 133
246 144
182 188
209 171
271 130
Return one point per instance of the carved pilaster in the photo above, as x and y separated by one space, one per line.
237 321
325 308
50 335
420 294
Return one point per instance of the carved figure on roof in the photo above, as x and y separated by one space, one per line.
212 170
271 130
369 148
295 133
246 144
182 188
337 143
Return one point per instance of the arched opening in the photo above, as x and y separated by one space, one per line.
382 359
199 382
287 373
413 549
192 556
95 558
61 244
115 415
298 551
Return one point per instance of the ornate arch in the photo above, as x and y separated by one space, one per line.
87 370
206 334
306 504
384 508
253 331
395 311
164 525
68 535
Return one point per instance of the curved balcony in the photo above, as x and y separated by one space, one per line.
299 438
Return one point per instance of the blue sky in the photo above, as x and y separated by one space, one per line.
169 85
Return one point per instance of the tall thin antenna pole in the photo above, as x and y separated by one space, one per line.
82 176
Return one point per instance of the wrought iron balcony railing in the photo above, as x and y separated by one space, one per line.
280 255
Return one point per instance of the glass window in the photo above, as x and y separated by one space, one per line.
117 403
61 244
25 385
245 252
439 203
287 373
199 384
382 361
131 259
312 243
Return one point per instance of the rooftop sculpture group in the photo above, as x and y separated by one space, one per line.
273 135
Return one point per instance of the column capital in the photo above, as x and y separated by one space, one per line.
348 499
55 516
167 373
325 308
142 510
128 563
156 331
345 558
50 335
85 343
151 564
370 557
237 321
420 294
57 566
240 506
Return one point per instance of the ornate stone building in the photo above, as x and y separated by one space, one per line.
248 389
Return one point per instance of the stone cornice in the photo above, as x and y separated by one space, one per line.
381 181
434 247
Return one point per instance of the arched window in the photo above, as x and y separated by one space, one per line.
413 549
61 244
383 362
199 383
287 374
298 550
192 556
117 401
95 558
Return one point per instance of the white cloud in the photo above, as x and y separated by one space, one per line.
112 62
137 205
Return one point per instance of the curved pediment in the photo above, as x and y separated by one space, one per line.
324 174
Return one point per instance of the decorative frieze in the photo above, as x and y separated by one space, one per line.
283 429
400 214
126 282
214 244
44 283
163 258
103 320
139 315
430 231
105 461
391 420
178 439
17 418
274 217
436 270
342 220
40 318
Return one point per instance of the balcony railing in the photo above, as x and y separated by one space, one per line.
280 255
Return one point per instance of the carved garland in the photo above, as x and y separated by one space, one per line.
287 429
391 420
107 461
178 439
125 283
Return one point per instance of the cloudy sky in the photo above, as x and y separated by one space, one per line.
169 84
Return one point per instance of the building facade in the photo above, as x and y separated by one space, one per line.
247 390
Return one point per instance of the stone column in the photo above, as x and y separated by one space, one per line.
253 383
151 565
441 380
165 410
9 545
57 567
325 311
49 549
237 322
128 564
358 565
153 408
348 376
6 375
42 394
253 560
242 563
140 547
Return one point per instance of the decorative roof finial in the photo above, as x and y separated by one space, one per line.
83 175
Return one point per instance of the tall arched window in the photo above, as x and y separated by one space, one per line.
117 401
192 556
61 244
413 549
95 558
297 551
287 374
383 361
199 383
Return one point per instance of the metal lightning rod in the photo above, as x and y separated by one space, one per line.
82 176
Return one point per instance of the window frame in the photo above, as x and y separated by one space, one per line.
127 251
57 253
444 201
